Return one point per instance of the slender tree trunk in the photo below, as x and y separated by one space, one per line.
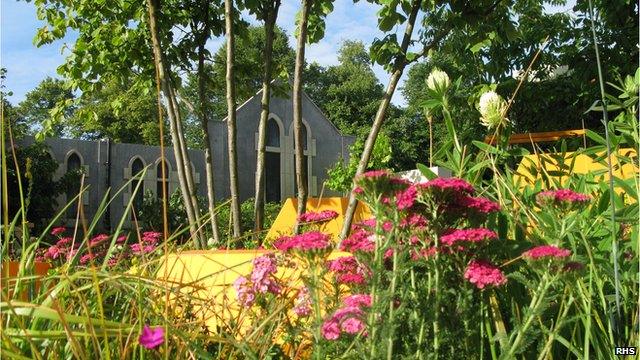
301 172
231 119
269 24
204 120
400 64
172 112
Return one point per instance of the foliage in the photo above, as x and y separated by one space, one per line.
340 176
123 113
248 74
348 93
41 103
37 170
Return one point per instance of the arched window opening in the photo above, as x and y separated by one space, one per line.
273 133
136 172
74 166
272 163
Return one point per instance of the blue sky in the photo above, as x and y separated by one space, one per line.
27 65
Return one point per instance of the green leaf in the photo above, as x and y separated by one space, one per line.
424 169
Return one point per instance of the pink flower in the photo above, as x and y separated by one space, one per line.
467 235
57 230
64 242
372 174
264 267
139 249
121 239
98 239
309 241
331 330
561 197
53 252
244 290
358 241
454 186
358 300
151 338
481 273
312 217
406 198
414 220
86 258
546 251
478 204
302 306
352 326
151 237
348 270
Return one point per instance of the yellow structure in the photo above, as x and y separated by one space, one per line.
534 168
203 280
286 219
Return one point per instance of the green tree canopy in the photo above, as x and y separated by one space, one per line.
124 114
39 103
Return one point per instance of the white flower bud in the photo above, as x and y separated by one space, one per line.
438 81
492 108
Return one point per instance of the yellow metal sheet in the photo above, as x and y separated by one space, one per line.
284 223
533 168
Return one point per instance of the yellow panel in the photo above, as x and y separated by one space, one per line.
204 280
286 219
575 163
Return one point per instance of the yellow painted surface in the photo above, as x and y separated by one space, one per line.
552 166
204 280
286 219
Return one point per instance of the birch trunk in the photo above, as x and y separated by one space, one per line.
231 119
270 21
208 156
172 111
301 172
380 115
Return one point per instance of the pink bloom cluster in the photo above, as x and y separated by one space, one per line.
148 243
309 241
482 273
452 237
562 196
360 240
262 280
449 185
302 304
405 199
546 252
478 204
313 217
57 230
348 270
348 319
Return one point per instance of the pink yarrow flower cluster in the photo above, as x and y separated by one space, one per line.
482 274
309 241
261 281
546 252
348 319
348 270
450 185
314 217
562 196
302 304
149 242
360 240
467 235
57 230
478 204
